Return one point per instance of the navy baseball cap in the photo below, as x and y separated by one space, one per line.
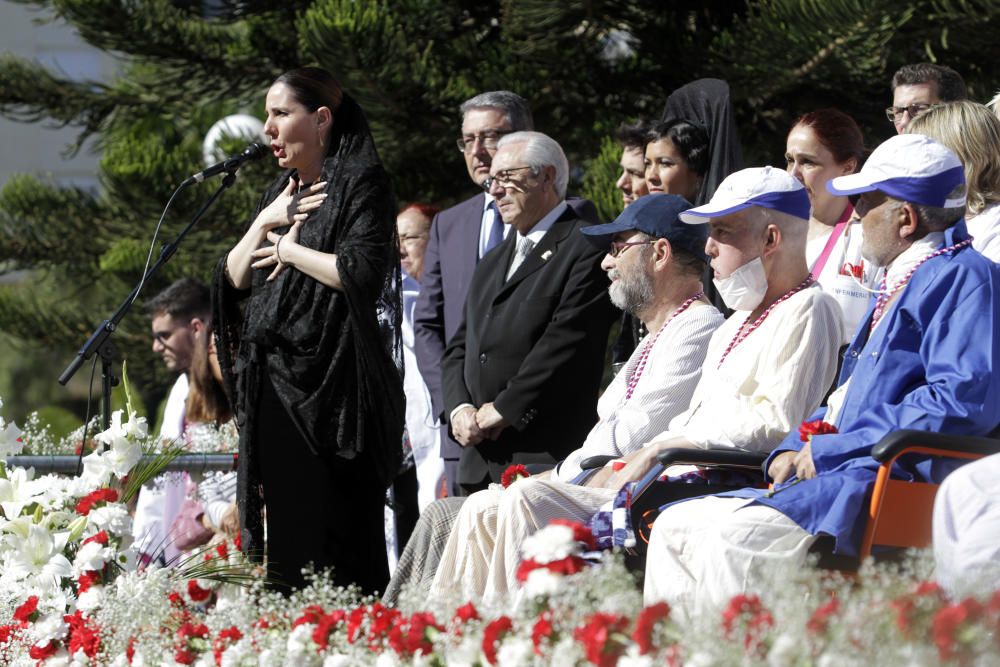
658 216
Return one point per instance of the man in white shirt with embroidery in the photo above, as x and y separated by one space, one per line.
655 263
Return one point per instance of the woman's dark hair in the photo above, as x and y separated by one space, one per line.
207 401
837 132
313 88
690 140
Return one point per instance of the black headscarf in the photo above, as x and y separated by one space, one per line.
705 102
333 357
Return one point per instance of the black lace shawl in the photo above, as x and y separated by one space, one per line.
705 102
333 357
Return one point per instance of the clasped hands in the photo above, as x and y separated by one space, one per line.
289 208
471 426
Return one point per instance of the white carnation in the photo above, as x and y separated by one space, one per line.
554 542
112 517
515 651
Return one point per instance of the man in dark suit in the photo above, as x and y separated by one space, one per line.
521 375
459 237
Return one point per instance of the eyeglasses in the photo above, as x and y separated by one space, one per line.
503 178
487 140
410 238
895 113
618 247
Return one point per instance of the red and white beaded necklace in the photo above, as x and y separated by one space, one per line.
746 330
640 365
885 295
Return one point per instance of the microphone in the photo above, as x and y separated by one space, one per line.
254 151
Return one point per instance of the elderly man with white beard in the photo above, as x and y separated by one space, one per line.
655 263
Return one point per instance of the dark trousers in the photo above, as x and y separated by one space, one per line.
325 512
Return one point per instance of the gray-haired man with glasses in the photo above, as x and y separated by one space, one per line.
460 236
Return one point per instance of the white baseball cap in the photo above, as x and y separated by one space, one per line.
757 186
908 167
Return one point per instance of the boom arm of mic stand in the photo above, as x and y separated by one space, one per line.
108 326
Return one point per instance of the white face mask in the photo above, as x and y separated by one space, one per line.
745 287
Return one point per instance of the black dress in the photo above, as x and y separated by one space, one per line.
316 378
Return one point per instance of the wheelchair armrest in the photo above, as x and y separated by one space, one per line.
897 442
729 458
599 461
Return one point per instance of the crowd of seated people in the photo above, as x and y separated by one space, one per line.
857 289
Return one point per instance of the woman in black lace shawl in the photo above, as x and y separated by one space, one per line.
311 360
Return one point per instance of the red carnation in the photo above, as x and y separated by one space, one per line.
752 614
563 566
183 656
820 619
88 579
88 502
492 634
467 612
27 612
43 652
413 635
6 632
325 625
310 614
83 635
815 427
226 638
175 599
101 537
512 474
541 632
354 621
646 624
602 638
196 592
238 542
947 623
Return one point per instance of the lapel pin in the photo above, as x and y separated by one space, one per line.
546 254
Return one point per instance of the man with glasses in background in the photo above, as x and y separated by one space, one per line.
916 87
180 315
522 373
459 237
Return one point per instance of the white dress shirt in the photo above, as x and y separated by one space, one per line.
486 224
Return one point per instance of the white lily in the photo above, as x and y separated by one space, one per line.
123 442
18 490
41 555
96 473
10 443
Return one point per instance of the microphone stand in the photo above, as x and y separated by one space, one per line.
100 341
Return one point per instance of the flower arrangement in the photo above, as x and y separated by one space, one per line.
71 595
